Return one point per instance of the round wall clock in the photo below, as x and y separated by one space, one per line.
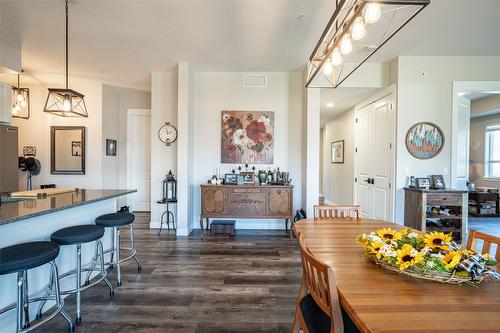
167 134
424 140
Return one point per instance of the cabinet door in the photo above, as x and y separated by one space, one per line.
213 200
5 103
279 201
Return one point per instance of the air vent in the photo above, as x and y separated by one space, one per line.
254 81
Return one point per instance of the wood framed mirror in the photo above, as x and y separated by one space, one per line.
67 150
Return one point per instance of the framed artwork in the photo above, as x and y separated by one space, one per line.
338 151
110 147
424 140
247 137
248 177
438 182
76 148
230 179
423 183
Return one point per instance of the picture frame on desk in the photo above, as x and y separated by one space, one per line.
438 182
230 179
423 183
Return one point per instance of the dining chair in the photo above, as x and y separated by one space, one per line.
318 308
336 211
487 239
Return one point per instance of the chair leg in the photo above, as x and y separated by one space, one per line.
117 255
297 319
20 301
103 269
57 291
132 243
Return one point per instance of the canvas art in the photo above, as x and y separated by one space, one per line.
110 147
424 140
247 137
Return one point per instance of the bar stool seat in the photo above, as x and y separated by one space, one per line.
78 234
115 219
25 256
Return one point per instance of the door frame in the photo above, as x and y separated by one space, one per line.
390 90
456 126
130 113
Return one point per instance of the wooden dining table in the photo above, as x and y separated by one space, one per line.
379 300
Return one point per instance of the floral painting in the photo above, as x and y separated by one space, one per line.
247 137
424 140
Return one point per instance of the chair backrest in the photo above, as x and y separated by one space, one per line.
487 239
336 211
321 285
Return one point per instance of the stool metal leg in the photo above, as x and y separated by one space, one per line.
59 301
173 220
89 273
49 291
103 269
117 255
78 282
26 300
134 251
113 236
20 301
161 222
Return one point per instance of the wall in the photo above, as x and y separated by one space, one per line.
425 94
214 92
338 178
477 150
485 106
10 41
36 132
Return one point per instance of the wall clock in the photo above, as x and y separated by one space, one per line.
424 140
167 134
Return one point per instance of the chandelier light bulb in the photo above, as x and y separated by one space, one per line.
14 109
373 12
336 57
358 30
23 103
328 67
66 103
20 96
346 44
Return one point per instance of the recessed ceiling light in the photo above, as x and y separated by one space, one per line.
330 105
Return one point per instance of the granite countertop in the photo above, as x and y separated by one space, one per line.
431 190
29 208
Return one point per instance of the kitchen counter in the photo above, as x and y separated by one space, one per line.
32 207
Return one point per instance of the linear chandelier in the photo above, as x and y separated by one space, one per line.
66 102
20 100
357 29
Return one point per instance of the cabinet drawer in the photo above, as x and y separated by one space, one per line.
450 199
246 190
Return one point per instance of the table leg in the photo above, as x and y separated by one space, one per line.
201 227
291 227
208 222
286 224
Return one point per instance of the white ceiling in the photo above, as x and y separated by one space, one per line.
121 42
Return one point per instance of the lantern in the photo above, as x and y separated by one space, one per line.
170 187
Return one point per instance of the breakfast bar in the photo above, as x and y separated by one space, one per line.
35 219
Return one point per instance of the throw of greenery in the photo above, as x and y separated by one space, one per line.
431 256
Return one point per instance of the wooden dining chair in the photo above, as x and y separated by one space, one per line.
336 211
318 308
487 239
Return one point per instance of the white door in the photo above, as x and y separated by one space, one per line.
374 158
139 159
461 155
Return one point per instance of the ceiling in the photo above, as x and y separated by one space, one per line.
121 42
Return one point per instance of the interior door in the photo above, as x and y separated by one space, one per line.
364 157
139 141
462 151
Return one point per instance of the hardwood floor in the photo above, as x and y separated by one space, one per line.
245 283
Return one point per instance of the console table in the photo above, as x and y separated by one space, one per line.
246 201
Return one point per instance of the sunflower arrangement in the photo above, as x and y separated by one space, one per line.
432 256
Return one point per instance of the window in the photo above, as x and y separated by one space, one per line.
492 152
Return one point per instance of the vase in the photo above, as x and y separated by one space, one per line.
262 177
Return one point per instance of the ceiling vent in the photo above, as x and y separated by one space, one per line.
254 81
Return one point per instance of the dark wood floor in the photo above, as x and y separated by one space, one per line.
246 283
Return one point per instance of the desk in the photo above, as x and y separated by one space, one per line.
246 201
379 300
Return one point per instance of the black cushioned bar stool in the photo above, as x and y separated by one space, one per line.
19 259
115 221
78 235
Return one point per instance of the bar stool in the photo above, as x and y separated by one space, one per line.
19 259
167 212
78 235
115 221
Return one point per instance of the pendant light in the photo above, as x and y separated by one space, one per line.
20 101
66 102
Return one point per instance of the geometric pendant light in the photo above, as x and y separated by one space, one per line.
66 102
20 101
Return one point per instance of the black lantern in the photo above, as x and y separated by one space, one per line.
170 187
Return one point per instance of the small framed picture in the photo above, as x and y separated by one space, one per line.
110 147
230 179
338 152
76 148
438 182
423 183
248 177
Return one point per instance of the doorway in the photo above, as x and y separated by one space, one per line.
139 158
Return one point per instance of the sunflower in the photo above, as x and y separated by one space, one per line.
451 259
388 234
374 247
408 256
437 240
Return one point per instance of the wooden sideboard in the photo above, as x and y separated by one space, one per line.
246 201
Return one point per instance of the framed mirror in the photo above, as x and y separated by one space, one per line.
67 150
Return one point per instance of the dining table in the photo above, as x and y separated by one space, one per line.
380 300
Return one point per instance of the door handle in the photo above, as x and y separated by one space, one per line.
373 181
368 180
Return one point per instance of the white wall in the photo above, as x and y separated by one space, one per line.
10 42
485 106
425 94
338 178
214 92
